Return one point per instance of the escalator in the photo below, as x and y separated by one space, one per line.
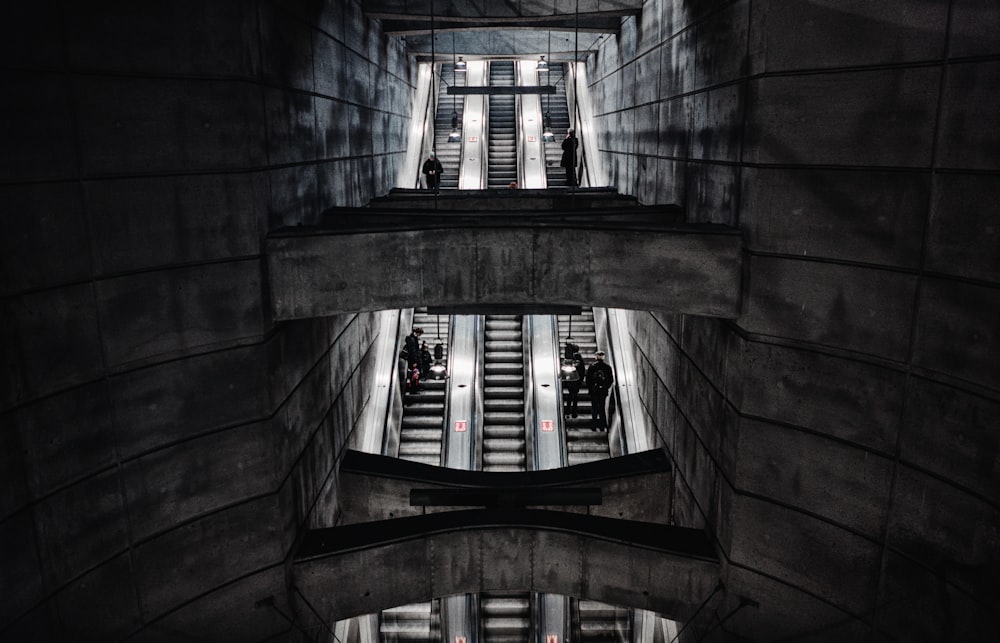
502 141
450 154
505 617
416 623
582 443
600 623
503 395
555 106
422 423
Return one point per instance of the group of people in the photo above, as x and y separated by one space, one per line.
414 360
432 168
598 377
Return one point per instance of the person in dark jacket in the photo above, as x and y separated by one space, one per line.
413 347
568 160
432 170
573 386
599 380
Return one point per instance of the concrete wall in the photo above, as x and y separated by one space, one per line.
161 438
840 438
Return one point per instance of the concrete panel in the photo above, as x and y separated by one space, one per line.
21 573
647 78
969 136
41 234
141 223
59 345
705 342
717 124
294 349
702 405
806 553
869 217
290 126
299 418
672 184
508 548
199 476
807 35
41 623
293 197
952 433
696 478
211 618
31 36
843 306
674 129
180 399
712 193
64 437
191 125
101 605
205 554
946 529
880 117
974 26
610 575
691 272
832 480
968 316
161 314
845 399
286 48
80 527
37 127
457 564
720 51
677 65
162 37
916 605
963 232
557 564
785 612
329 59
14 492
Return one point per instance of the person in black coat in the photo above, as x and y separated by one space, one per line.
413 347
573 386
568 160
432 170
599 380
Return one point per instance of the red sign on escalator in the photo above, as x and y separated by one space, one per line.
551 638
548 425
459 639
461 426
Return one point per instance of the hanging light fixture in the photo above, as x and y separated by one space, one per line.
542 64
460 65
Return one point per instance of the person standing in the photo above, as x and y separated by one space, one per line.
413 347
432 170
568 160
573 386
599 380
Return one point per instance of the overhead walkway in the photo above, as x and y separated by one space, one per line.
683 268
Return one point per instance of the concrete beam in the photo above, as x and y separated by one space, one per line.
361 569
632 487
426 259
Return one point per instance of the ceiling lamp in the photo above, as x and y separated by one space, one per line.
460 65
542 64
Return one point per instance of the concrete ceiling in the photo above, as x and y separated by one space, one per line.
513 27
